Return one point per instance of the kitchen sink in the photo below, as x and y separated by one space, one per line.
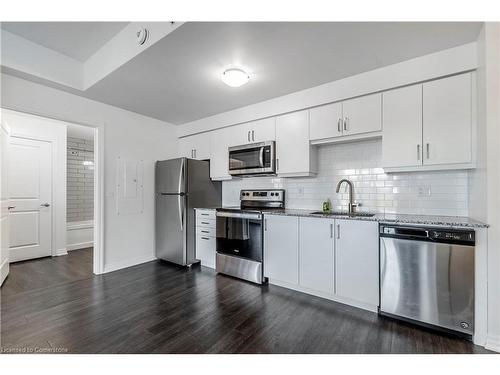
338 213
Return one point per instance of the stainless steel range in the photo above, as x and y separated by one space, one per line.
239 234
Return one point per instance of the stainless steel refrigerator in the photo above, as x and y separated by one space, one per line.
180 186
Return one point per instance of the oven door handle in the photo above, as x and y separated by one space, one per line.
238 215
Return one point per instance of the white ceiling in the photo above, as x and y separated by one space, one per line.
78 40
178 78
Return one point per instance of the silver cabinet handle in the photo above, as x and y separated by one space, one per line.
345 123
277 165
331 230
205 214
427 147
248 136
339 125
418 152
265 225
11 207
45 205
253 135
338 231
205 231
205 238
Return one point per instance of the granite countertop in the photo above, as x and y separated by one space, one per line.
446 221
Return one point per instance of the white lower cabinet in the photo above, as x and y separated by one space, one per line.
281 248
335 259
356 261
316 254
205 237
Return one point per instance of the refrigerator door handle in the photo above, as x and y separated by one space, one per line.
181 177
180 199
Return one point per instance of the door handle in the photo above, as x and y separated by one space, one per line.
345 123
253 135
339 125
248 136
338 231
11 207
277 165
45 205
418 152
331 230
427 147
265 225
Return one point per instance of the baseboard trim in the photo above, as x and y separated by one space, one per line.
331 297
115 266
60 252
81 245
493 343
4 270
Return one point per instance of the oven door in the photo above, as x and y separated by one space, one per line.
239 234
257 158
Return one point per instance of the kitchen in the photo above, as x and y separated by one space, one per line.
334 253
330 205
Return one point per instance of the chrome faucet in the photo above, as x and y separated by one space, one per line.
352 205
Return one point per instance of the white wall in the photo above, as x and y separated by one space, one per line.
128 239
52 131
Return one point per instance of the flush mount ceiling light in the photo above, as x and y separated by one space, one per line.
235 77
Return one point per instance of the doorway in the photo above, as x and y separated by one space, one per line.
80 169
53 192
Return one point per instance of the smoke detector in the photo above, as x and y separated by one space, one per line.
142 36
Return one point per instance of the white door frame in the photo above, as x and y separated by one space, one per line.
98 253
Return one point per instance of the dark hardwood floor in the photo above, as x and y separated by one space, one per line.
56 304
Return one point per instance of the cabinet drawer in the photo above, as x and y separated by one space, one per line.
205 231
205 250
203 222
205 214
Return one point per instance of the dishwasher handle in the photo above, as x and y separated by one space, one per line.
404 232
441 235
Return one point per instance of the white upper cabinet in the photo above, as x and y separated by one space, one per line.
195 146
402 139
294 156
258 131
447 131
325 121
362 115
220 140
350 117
356 261
281 248
429 126
316 254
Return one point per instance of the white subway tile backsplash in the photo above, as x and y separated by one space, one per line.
378 192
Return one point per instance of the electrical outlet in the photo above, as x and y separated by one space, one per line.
424 191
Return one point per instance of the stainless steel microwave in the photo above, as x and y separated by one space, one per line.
253 159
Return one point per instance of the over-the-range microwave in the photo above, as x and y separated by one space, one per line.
252 159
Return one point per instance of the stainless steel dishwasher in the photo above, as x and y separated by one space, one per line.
427 276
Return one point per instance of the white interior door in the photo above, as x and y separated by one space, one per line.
30 188
4 202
